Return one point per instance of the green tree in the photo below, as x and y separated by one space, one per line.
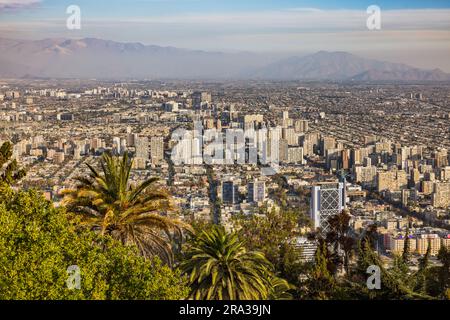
9 169
440 276
395 284
271 232
220 268
340 240
38 243
137 215
406 247
320 284
422 273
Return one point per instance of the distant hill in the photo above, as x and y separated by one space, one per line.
344 66
103 59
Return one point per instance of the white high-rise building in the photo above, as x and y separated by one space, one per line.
116 145
327 200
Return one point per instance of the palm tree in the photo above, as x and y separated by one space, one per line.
108 203
220 268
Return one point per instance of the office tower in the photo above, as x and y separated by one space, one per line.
394 180
408 196
273 145
295 155
283 153
366 176
201 99
440 158
286 122
229 192
307 145
123 145
441 195
157 149
141 144
327 200
327 143
415 178
355 157
256 191
301 126
131 139
171 106
332 159
345 159
290 135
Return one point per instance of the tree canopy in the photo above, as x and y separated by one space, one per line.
38 244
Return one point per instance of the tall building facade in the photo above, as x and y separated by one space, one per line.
230 192
157 149
256 191
327 200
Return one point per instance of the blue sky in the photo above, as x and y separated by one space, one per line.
139 8
414 32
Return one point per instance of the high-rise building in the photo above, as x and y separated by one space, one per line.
284 150
290 135
200 99
441 195
295 155
393 180
141 144
256 191
366 176
327 200
301 126
229 192
327 143
157 149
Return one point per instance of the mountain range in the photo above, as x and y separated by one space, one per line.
104 59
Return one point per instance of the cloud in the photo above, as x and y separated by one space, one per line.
17 4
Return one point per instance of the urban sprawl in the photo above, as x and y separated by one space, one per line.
379 151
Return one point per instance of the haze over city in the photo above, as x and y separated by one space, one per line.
412 32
